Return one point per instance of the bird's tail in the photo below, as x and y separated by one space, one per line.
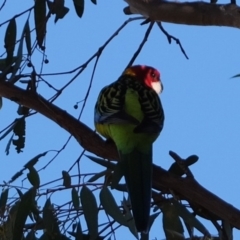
137 170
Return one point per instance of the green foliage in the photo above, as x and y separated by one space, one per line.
79 233
75 199
18 62
9 130
58 9
189 218
66 179
40 21
96 176
28 38
90 211
9 41
28 165
23 210
34 160
236 76
33 177
18 127
110 206
3 201
19 131
102 162
20 194
50 221
79 7
172 225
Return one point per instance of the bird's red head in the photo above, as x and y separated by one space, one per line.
148 75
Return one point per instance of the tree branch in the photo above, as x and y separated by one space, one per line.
188 188
190 13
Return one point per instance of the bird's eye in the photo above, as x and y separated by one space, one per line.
153 75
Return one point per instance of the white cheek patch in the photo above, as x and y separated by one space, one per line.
157 87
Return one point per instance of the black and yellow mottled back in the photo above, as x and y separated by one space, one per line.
111 106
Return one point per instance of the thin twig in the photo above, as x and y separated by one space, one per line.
16 16
170 37
48 84
82 153
141 45
89 87
58 152
98 53
83 106
4 2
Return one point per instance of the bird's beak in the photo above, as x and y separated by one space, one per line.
161 86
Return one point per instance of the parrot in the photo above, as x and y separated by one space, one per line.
129 113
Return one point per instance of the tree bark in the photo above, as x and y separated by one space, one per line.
190 13
187 188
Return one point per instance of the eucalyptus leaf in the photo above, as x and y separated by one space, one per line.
34 160
16 176
10 40
19 59
40 21
172 224
79 7
3 200
90 211
75 198
23 211
189 218
28 38
110 206
236 76
19 131
79 234
50 220
102 162
96 176
33 177
9 144
66 179
8 130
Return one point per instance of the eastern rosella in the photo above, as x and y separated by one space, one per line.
130 113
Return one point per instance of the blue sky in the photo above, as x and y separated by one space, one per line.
200 100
